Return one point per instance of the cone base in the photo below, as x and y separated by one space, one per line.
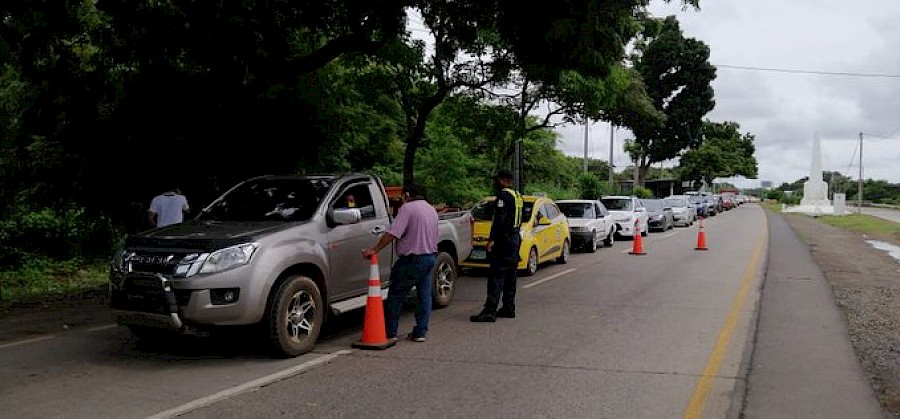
700 248
637 253
375 346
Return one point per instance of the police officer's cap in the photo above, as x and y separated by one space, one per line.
504 174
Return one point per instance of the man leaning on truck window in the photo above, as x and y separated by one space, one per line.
416 231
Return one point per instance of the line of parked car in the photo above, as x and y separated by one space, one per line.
552 229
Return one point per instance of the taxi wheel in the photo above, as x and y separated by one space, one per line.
564 255
532 266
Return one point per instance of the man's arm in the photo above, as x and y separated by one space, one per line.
384 241
502 220
185 208
153 212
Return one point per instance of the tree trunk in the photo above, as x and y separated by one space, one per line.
417 133
642 168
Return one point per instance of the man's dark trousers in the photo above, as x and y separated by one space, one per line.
502 281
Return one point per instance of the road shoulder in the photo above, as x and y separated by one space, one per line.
803 364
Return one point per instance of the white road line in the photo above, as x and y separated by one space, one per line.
549 278
248 386
99 328
26 341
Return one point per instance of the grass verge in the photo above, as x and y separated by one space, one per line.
862 223
41 280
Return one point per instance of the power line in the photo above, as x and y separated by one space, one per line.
803 71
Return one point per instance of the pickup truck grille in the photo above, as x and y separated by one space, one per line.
154 262
145 293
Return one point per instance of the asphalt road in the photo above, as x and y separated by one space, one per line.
885 213
607 335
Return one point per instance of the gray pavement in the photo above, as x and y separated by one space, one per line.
803 365
884 213
606 335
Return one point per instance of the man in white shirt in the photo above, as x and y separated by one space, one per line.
168 208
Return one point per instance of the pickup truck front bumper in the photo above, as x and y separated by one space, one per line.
185 305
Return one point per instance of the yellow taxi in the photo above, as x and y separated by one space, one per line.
544 231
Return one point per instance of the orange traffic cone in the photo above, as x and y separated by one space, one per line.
374 335
701 238
638 246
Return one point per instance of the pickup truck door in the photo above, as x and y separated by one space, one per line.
349 270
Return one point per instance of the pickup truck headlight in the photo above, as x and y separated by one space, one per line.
578 229
118 260
228 258
623 218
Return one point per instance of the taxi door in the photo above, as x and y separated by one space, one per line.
544 233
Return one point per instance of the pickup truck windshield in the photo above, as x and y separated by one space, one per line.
576 210
270 200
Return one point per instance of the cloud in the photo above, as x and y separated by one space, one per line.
783 110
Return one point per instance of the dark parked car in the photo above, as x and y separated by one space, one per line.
660 215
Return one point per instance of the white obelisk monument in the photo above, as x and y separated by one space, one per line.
815 191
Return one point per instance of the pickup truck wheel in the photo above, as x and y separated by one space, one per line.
564 254
444 275
295 315
532 266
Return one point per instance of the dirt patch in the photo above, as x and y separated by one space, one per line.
58 315
866 284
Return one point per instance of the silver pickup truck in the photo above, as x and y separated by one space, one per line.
273 251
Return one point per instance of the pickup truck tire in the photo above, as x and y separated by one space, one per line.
294 316
444 276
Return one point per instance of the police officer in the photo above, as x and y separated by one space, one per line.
503 251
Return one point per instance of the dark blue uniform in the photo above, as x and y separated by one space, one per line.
504 255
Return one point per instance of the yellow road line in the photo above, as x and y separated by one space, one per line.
695 407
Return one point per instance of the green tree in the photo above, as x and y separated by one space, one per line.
678 75
723 152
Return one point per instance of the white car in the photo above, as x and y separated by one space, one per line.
628 213
685 212
589 223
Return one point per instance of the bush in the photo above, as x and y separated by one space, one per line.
55 234
642 192
591 187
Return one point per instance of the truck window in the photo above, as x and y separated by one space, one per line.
279 199
357 196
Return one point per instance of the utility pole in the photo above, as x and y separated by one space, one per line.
612 171
859 193
587 122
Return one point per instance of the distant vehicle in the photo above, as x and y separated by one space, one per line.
659 216
683 210
628 213
590 224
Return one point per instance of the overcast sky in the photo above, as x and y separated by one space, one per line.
786 110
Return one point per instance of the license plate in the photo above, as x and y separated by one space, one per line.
478 254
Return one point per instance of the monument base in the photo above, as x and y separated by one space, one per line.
815 209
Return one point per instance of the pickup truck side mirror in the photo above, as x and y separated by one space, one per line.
544 221
641 209
343 216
